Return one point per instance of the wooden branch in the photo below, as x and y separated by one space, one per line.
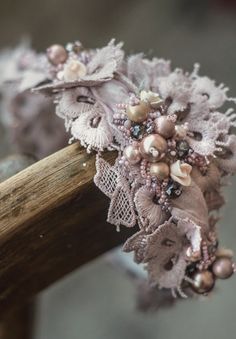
52 220
19 323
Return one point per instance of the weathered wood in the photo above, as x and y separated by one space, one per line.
18 324
52 220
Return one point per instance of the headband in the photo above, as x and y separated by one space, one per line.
175 149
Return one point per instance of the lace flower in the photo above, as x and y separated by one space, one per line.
166 263
92 130
176 89
101 66
74 102
144 73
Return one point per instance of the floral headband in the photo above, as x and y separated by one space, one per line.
175 150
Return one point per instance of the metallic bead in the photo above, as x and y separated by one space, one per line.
203 282
138 113
160 170
153 147
132 154
182 147
165 127
223 268
57 54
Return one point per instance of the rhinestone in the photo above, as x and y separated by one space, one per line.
137 131
173 189
182 147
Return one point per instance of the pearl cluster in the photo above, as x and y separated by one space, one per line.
68 63
156 145
208 266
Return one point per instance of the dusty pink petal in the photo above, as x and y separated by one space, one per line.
210 180
137 244
147 209
73 102
214 200
228 160
112 93
167 278
164 243
191 204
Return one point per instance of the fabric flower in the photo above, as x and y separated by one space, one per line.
176 88
148 209
180 172
101 67
209 180
92 129
192 205
165 256
144 73
72 103
205 88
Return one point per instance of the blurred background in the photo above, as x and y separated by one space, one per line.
98 301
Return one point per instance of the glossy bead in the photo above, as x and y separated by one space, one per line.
223 268
57 54
137 131
203 282
165 127
132 154
160 170
173 189
138 113
153 147
182 147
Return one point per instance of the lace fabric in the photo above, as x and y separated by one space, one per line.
175 145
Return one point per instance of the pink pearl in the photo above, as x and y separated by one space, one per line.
57 54
165 127
223 268
132 154
153 147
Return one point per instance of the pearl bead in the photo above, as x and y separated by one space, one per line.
153 147
223 268
203 282
165 127
160 170
57 54
132 154
138 113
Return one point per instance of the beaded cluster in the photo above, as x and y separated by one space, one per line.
174 147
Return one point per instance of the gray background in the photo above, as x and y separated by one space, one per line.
97 302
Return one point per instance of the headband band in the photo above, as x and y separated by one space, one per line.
174 145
